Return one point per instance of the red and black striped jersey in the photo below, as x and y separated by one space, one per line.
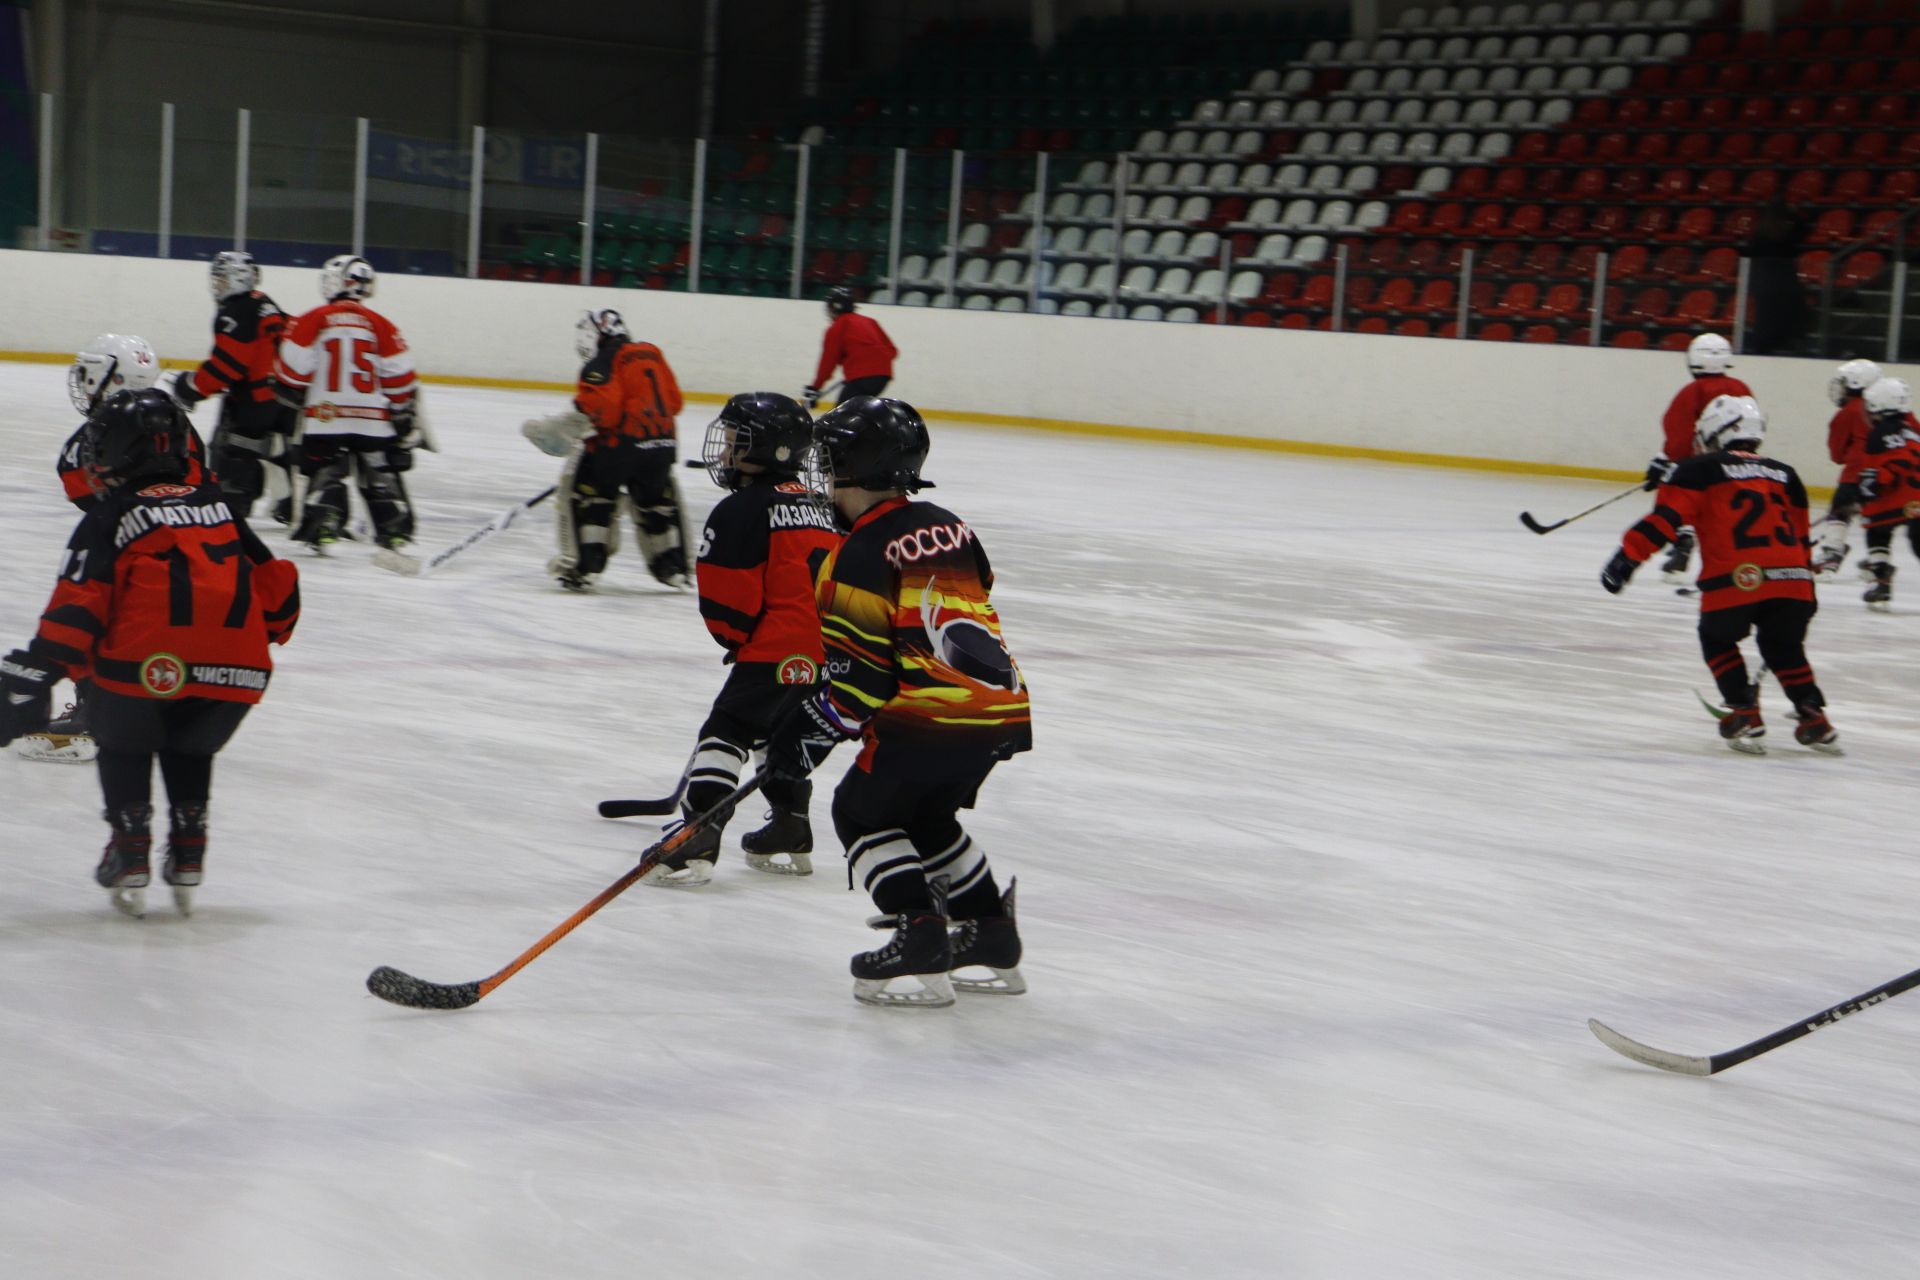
165 594
1750 514
247 329
913 644
628 392
1893 451
73 476
1683 414
760 558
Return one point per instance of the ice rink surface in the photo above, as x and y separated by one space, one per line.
1351 802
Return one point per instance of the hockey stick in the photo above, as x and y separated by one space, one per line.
1526 517
396 987
650 808
401 563
1684 1065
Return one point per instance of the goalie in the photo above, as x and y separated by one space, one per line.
618 440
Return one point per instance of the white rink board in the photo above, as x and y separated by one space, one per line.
1566 406
1351 802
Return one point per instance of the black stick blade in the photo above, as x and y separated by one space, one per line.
639 808
396 987
1526 518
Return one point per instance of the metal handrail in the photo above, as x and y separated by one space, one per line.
1897 230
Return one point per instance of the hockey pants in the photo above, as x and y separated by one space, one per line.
899 822
750 704
185 734
375 467
598 477
1781 627
244 446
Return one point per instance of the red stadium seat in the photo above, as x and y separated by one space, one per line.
1652 222
1890 108
1806 186
1511 182
1567 220
1543 259
1908 153
1581 260
1694 148
1760 185
1318 294
1853 186
1841 111
1487 220
1832 227
1878 224
1282 287
1256 319
1396 296
1607 222
1673 113
1902 184
1717 266
1674 184
1862 268
1714 113
1449 218
1736 225
1869 148
1677 341
1414 328
1501 259
1738 148
1697 307
1372 324
1293 320
1694 225
1382 253
1716 185
1813 266
1540 333
1755 113
1594 113
1360 290
1629 340
1821 148
1520 298
1694 77
1562 302
1436 298
1611 148
1631 184
1409 217
1628 264
1475 181
1422 255
1673 262
1570 148
1532 146
1498 331
1649 304
1588 184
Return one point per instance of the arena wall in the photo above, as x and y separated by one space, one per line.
1502 406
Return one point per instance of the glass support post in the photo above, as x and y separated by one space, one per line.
1466 287
586 208
953 229
165 247
800 184
696 220
476 183
896 222
243 144
361 141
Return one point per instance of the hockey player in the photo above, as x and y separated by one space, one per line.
1846 437
619 443
1709 356
1888 466
252 431
1751 516
918 671
170 602
763 545
348 371
856 343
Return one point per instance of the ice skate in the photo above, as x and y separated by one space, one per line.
787 835
1814 730
186 855
1879 596
1674 570
565 571
65 740
991 943
1826 565
690 865
919 951
1743 729
123 870
1864 570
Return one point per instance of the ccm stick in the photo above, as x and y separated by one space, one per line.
1526 517
412 567
1713 1064
396 987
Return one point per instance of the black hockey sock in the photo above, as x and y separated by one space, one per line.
126 778
904 894
981 898
189 779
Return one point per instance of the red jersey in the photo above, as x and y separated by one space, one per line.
858 344
1847 436
1684 412
1893 451
73 477
165 595
628 392
351 367
247 328
760 557
1750 514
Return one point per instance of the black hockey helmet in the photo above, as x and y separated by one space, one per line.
765 428
870 443
839 300
136 435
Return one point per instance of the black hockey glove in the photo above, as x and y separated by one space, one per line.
810 397
1869 484
803 744
184 392
1659 471
1618 571
26 696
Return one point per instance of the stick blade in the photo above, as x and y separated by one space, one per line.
396 987
1526 518
1626 1047
639 808
397 562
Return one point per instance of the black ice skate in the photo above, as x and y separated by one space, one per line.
1743 729
991 943
186 855
123 870
1674 570
919 950
787 834
690 865
319 530
1816 731
1879 596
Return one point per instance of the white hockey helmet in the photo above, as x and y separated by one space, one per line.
596 326
233 271
111 362
1889 395
346 276
1852 378
1727 419
1709 353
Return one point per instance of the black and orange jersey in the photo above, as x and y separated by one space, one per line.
1750 514
73 476
1847 436
913 645
1892 449
165 594
247 329
760 558
628 392
1683 413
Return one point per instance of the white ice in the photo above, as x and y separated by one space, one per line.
1351 802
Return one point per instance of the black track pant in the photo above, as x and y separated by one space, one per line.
750 704
900 824
185 733
1781 626
852 387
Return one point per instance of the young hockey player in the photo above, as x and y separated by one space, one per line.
918 671
856 343
1888 465
1709 356
1846 437
348 371
169 602
763 546
1750 513
619 443
252 431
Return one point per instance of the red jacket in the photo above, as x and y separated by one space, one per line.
1847 436
859 345
1685 410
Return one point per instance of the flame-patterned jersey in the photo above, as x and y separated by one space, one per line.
1892 450
915 657
761 557
80 491
165 595
1750 514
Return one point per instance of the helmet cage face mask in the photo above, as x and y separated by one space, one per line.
232 272
1852 378
595 327
347 276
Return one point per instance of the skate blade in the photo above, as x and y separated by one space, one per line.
1675 577
796 864
57 748
1004 982
1747 746
129 900
183 898
691 876
934 992
1880 606
1825 748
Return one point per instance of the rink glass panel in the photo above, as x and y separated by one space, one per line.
642 217
418 191
300 173
533 203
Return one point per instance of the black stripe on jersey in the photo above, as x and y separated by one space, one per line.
238 371
40 646
716 612
80 619
285 611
